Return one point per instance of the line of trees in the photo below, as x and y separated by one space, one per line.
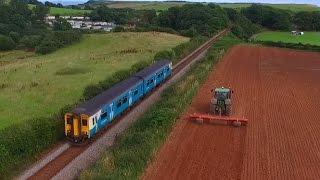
24 28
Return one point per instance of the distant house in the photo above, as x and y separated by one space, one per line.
297 33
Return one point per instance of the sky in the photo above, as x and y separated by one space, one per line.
314 2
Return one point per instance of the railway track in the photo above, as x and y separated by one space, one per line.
57 163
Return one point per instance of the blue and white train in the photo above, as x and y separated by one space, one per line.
86 120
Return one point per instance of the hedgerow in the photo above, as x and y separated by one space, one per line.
301 46
135 148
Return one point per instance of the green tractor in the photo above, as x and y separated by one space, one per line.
221 101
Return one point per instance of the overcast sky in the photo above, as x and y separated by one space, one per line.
314 2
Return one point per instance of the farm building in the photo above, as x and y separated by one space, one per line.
297 33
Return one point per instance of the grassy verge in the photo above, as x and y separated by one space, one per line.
135 148
300 46
309 38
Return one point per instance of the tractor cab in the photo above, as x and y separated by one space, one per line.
222 93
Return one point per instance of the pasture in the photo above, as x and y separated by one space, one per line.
64 11
312 38
291 7
33 86
158 6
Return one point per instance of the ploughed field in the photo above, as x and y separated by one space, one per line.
34 86
278 90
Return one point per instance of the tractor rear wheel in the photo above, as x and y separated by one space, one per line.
228 110
213 108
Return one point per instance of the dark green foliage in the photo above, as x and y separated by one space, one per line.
40 12
61 25
136 146
118 29
301 46
17 20
50 4
6 43
308 21
269 17
30 42
57 40
47 46
194 19
242 26
165 54
14 36
119 16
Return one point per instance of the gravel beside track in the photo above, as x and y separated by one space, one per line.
278 90
67 162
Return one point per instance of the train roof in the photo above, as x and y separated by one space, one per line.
151 69
93 105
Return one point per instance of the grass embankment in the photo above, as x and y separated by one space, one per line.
291 7
312 38
158 6
136 147
64 11
37 86
166 5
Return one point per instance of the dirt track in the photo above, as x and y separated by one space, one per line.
279 91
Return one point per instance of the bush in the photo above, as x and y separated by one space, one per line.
47 46
6 43
165 54
30 42
118 29
14 36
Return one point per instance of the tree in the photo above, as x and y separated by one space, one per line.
40 12
6 43
61 25
14 36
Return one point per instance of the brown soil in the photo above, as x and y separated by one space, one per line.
278 90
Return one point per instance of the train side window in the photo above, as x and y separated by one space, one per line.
151 81
84 122
119 103
167 69
135 92
104 115
159 75
124 99
69 120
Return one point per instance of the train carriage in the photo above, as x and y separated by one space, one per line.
87 119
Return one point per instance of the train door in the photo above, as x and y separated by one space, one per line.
155 79
75 126
111 111
130 98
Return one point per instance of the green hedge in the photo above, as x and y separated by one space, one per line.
135 147
20 143
301 46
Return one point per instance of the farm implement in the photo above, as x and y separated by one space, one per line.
220 109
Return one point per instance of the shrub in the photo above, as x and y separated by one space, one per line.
166 54
30 42
118 29
47 46
6 43
14 36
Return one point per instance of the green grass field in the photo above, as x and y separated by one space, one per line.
38 86
308 38
166 5
158 6
64 11
291 7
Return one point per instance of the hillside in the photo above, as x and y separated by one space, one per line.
35 86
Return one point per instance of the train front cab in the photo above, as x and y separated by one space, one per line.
76 127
